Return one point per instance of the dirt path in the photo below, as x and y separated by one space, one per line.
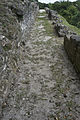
47 87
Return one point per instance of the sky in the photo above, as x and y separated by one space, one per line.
51 1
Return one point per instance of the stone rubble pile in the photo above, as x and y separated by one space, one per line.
71 39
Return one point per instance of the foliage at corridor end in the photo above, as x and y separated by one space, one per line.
67 9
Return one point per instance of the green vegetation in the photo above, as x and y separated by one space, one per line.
47 25
71 27
42 5
34 0
69 10
7 47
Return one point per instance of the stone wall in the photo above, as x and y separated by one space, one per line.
61 29
72 47
16 18
71 39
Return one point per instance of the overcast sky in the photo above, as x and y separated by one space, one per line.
51 1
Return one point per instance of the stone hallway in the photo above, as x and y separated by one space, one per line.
47 86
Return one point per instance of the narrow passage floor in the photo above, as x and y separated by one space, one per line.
47 86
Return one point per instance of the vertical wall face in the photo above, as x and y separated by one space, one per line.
72 47
14 14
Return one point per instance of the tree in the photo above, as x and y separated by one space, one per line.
72 9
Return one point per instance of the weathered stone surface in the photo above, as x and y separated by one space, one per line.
13 15
62 30
52 15
47 10
46 87
71 39
72 47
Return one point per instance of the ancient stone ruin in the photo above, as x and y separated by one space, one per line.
71 39
72 47
16 19
37 81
